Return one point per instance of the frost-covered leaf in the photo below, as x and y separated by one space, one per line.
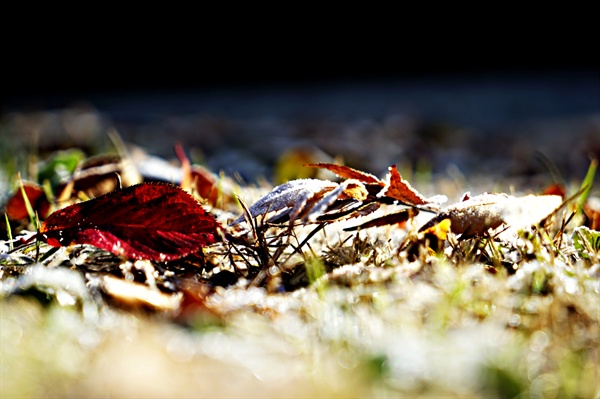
478 214
399 189
348 173
355 190
349 187
291 197
473 216
522 212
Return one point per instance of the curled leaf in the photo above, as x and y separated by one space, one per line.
348 173
99 175
146 221
349 187
478 214
399 189
472 217
291 197
389 219
355 190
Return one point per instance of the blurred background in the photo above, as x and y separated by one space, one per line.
253 117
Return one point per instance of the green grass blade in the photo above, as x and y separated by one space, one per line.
586 185
30 212
8 232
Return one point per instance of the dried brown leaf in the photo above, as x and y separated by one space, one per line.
356 190
327 200
389 219
348 173
475 216
399 189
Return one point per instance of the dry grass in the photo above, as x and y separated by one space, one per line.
346 315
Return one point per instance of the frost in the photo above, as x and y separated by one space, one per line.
292 196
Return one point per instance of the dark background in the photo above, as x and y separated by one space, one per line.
476 99
50 63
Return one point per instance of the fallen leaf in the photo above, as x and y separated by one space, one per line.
475 216
472 217
555 189
292 197
348 173
321 200
389 219
401 190
99 175
351 188
147 221
16 208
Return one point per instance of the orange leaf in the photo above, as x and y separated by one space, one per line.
401 190
348 173
15 206
186 168
356 190
555 189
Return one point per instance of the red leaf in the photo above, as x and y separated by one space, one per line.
147 221
348 173
399 189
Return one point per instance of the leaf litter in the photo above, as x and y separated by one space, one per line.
393 292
